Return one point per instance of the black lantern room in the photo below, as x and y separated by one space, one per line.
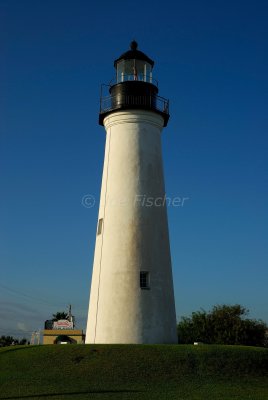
134 86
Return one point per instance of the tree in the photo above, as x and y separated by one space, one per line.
10 340
6 341
60 315
224 324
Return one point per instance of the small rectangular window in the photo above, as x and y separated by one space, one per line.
144 280
100 225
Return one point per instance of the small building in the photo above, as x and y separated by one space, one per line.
61 331
63 336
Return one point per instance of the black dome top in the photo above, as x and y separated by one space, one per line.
133 53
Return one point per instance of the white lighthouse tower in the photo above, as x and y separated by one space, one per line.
132 299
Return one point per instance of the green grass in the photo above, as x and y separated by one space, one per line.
133 372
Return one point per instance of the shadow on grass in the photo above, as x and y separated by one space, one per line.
32 396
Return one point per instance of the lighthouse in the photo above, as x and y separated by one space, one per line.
132 297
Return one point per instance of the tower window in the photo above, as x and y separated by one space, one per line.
100 225
144 280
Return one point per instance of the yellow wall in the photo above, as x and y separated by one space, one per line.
50 335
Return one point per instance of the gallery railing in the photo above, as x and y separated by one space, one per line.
153 102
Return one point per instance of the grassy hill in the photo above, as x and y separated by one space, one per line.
180 372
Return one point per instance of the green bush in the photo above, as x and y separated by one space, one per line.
222 325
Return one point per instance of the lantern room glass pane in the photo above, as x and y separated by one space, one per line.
119 71
133 70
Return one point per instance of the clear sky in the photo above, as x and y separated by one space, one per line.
211 61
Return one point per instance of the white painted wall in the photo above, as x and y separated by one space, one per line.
134 238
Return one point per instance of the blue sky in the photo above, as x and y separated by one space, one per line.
211 61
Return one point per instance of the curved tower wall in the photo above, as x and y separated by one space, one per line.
132 237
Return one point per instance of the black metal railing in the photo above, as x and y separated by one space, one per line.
152 102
